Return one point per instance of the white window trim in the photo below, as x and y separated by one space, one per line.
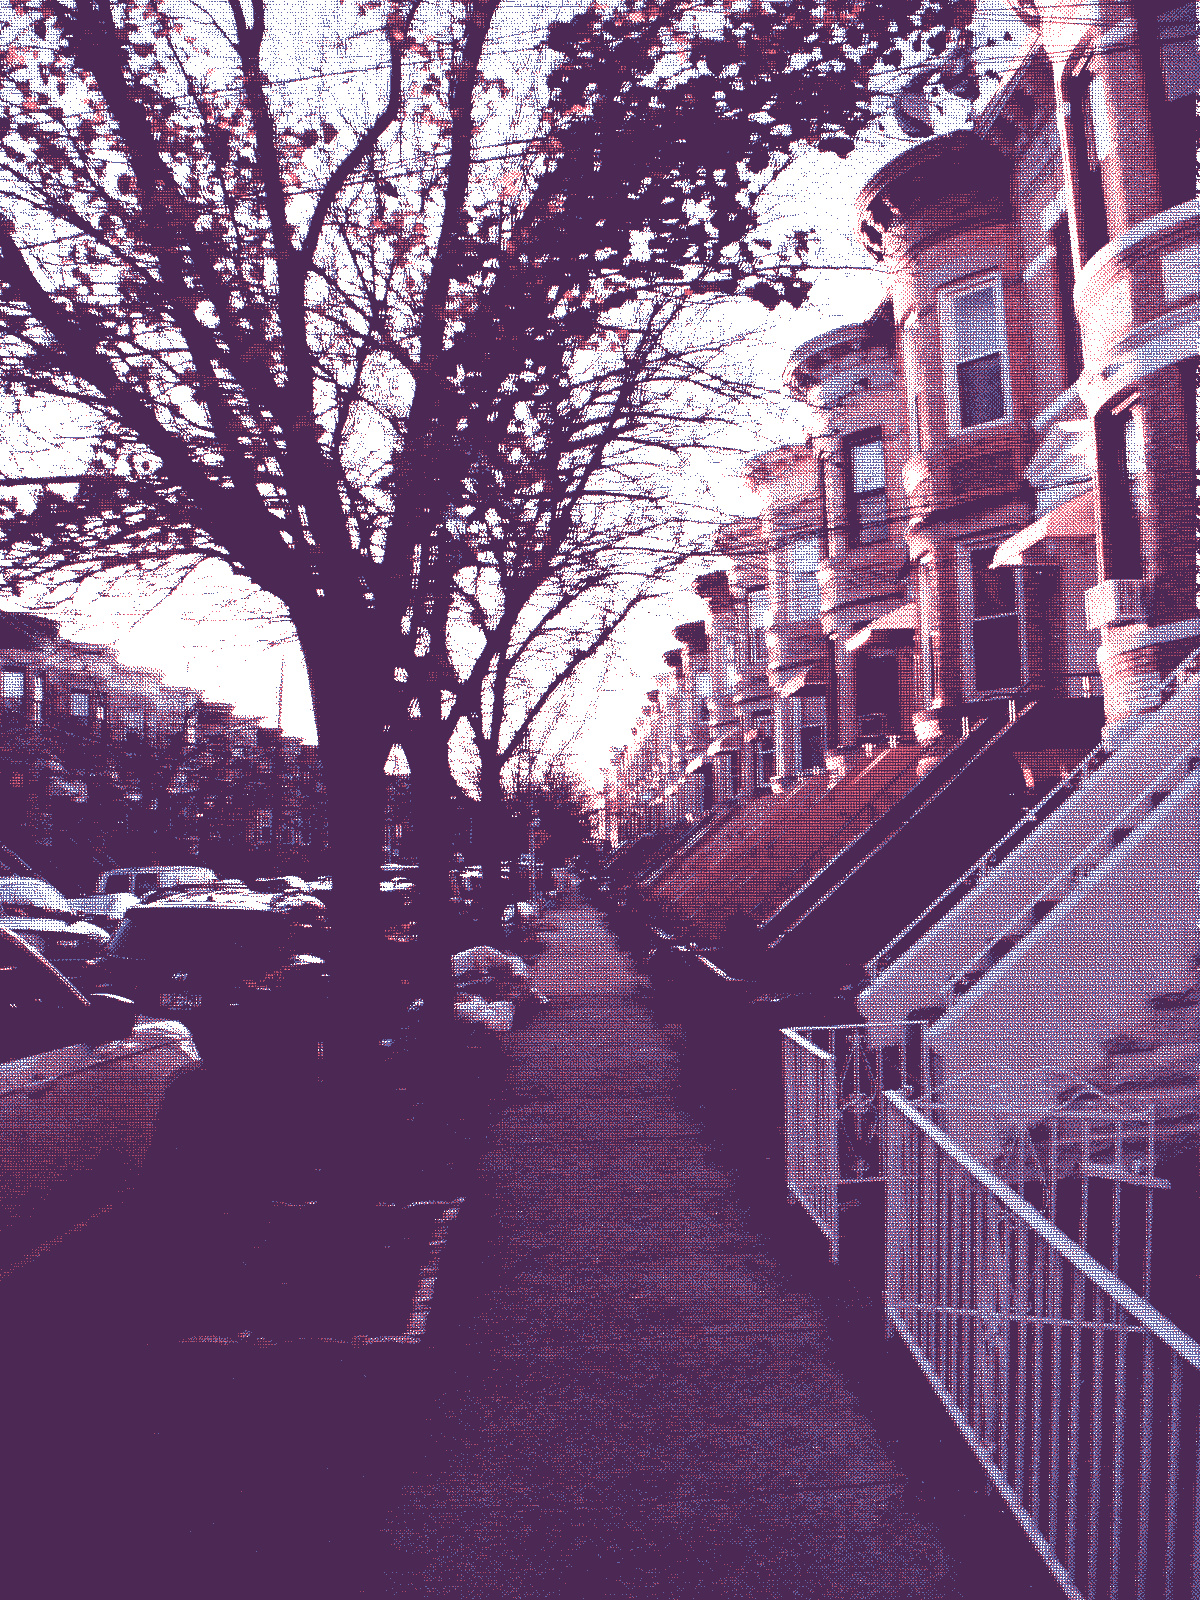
966 598
946 299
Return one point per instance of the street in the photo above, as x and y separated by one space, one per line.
576 1367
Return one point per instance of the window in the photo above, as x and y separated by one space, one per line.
995 630
704 691
928 632
12 689
867 510
1172 76
1091 141
973 331
1064 275
77 705
38 688
1121 452
912 386
810 749
763 724
803 591
757 618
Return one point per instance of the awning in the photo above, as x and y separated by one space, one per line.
1034 545
731 741
894 628
696 762
812 672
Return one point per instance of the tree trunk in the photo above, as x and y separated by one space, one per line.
427 751
492 817
350 721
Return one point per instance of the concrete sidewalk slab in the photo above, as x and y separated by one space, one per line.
640 1407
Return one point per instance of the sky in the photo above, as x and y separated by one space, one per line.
217 635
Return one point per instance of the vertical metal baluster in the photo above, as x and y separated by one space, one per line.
1023 1314
1100 1305
1052 1158
1118 1162
1001 1336
1057 1311
1172 1482
1151 1162
1073 1437
1147 1421
890 1234
1041 1331
976 1305
1118 1495
1085 1184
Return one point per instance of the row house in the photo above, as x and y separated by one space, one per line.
993 504
99 759
954 753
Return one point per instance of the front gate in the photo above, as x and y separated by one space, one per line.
834 1080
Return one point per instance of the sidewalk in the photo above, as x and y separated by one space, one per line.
638 1407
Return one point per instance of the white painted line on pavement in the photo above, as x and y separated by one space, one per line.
423 1298
418 1314
52 1244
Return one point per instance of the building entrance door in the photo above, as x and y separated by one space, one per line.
877 693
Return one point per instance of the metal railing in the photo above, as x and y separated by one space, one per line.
1081 1402
834 1079
1113 833
999 852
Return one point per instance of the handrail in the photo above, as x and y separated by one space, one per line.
988 862
1107 1282
999 852
1075 869
993 735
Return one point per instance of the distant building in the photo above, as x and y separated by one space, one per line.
100 761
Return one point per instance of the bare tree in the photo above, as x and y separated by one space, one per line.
301 313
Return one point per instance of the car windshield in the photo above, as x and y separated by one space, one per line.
30 897
234 938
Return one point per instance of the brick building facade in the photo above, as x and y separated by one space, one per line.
995 499
101 762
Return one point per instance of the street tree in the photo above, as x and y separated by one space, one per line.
299 304
573 540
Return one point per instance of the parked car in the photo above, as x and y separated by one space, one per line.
244 971
47 922
81 1085
105 910
281 885
141 881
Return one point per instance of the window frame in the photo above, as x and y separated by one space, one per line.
74 697
1089 200
792 572
967 554
910 361
947 297
756 653
854 522
9 675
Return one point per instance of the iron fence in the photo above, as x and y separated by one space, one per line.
1080 1400
834 1079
